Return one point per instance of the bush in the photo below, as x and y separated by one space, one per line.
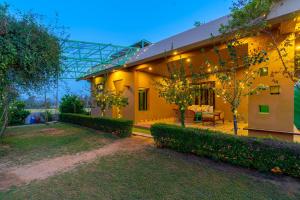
17 113
71 104
48 116
262 154
120 127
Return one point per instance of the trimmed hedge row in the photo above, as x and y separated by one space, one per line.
262 154
120 127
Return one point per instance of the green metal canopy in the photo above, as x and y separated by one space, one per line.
81 59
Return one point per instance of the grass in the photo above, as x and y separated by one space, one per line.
141 130
297 107
152 174
26 144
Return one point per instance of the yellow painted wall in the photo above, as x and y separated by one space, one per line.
281 115
158 108
125 81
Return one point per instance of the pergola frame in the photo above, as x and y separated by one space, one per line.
80 58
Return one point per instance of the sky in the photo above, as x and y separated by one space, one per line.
122 22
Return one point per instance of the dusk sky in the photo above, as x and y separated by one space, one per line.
123 22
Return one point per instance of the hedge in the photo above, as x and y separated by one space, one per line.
265 155
120 127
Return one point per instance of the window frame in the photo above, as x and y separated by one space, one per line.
264 109
145 106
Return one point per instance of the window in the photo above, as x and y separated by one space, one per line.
275 90
264 109
204 94
143 99
264 71
100 87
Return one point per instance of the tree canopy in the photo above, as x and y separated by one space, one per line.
29 56
29 53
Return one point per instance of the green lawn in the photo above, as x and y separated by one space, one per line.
297 107
141 130
27 144
153 174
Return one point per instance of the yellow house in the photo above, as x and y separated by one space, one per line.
268 114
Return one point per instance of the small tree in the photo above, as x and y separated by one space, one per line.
71 104
107 99
177 89
119 101
103 101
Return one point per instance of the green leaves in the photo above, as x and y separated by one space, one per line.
71 104
247 14
177 88
120 127
29 51
107 99
261 154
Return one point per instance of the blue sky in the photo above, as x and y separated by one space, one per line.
124 22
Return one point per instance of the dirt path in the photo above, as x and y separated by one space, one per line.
45 168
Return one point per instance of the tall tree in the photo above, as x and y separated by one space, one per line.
248 18
233 85
29 57
177 88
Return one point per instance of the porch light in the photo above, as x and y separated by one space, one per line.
150 68
188 60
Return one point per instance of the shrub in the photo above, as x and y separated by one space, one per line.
17 113
262 154
71 104
48 116
120 127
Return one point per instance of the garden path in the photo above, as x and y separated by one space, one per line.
43 169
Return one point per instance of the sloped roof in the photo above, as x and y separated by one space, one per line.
202 34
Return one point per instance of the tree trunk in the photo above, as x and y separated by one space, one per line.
4 117
118 113
182 117
102 113
235 124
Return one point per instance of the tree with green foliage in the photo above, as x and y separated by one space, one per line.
119 102
177 88
71 104
103 100
232 87
29 57
108 99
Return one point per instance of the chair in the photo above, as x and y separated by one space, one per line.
213 117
